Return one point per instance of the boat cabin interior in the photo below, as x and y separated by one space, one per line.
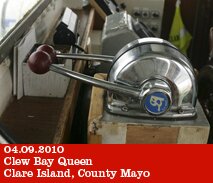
106 71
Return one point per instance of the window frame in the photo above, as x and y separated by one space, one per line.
7 42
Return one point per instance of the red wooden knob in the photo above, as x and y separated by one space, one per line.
39 62
48 49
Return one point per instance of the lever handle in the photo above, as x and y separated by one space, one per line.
154 92
92 57
41 62
117 88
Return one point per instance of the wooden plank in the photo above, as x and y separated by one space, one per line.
112 132
98 9
66 116
94 139
137 134
95 111
32 119
193 135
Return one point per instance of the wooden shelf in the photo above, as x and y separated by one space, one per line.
48 120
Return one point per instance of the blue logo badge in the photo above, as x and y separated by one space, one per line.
156 103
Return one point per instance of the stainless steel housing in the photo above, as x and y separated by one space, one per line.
149 77
152 65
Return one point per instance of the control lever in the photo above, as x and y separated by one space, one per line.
43 59
141 80
154 92
54 55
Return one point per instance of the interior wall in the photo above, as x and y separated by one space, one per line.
146 7
197 16
130 5
188 12
75 4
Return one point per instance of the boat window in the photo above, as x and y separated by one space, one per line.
11 12
17 16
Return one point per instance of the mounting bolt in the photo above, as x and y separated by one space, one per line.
125 108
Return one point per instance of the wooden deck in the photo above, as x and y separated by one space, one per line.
32 119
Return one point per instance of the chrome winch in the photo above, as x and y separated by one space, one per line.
148 77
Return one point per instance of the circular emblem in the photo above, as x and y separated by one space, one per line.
156 103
